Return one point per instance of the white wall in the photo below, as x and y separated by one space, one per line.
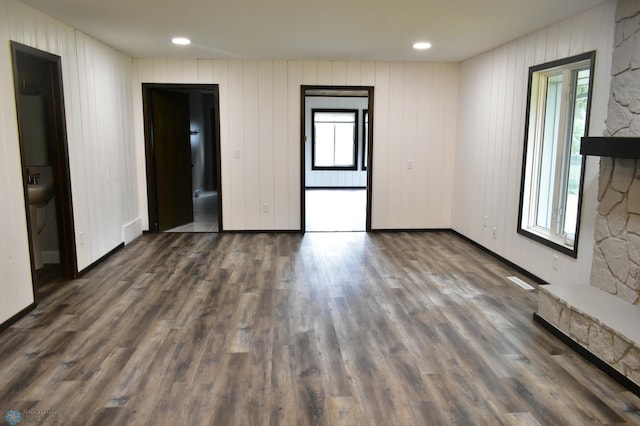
97 96
334 178
490 141
415 107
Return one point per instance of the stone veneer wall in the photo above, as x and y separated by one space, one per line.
600 339
616 261
616 257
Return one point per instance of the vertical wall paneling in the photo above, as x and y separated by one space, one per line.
295 78
380 149
107 133
553 42
339 73
367 74
578 35
80 180
426 177
142 68
408 120
446 128
265 147
491 115
251 149
99 123
159 69
325 72
514 144
220 76
204 73
280 145
15 282
309 72
236 196
354 74
396 146
501 155
261 136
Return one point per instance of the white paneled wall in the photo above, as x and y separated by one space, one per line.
490 141
415 107
101 149
15 280
99 114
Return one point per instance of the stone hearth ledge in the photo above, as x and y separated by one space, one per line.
602 323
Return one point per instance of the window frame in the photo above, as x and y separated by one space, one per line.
313 138
534 128
365 138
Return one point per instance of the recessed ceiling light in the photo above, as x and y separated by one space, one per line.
421 45
182 41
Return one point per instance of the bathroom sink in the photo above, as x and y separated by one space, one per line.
39 194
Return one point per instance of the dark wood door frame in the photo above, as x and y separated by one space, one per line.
152 196
59 155
303 169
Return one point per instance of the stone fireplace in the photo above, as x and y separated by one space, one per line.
616 252
616 256
602 320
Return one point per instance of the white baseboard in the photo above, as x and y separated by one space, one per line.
132 230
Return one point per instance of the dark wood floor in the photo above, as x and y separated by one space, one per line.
284 329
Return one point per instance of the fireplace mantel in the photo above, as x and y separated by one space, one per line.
615 147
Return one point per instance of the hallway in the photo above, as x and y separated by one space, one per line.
205 214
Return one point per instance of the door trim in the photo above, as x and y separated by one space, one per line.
60 160
152 195
320 88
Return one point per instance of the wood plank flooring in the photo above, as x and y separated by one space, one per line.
285 329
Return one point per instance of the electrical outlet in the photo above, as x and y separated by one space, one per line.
236 153
410 165
485 221
265 208
494 233
554 262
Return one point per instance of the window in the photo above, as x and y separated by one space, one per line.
334 139
557 117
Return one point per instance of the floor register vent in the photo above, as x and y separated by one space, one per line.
521 283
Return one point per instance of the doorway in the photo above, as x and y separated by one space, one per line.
337 135
182 139
44 156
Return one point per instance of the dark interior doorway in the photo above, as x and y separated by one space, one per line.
44 156
337 140
182 138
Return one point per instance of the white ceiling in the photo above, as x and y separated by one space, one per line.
310 29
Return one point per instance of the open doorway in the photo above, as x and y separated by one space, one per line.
44 155
182 138
337 139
